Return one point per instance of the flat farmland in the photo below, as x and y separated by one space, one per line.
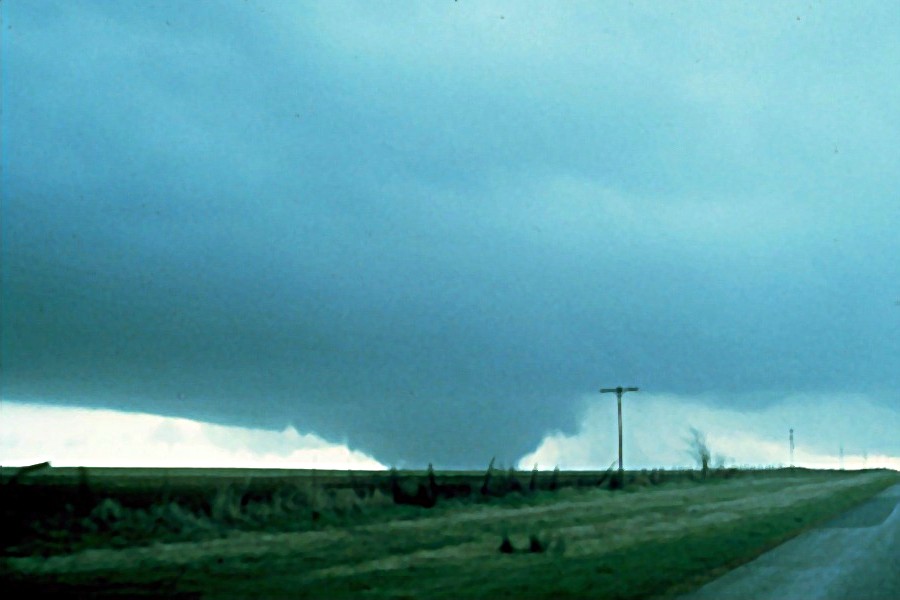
225 534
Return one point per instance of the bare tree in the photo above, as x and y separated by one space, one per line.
699 449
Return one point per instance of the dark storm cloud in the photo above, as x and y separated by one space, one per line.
431 232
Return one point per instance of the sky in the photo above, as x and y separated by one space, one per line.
431 232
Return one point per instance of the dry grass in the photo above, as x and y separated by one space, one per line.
454 550
64 510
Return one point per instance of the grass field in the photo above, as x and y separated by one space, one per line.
334 534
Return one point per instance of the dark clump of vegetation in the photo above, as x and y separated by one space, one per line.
499 486
535 544
486 484
506 546
424 496
616 481
512 484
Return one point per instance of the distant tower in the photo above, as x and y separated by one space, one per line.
792 446
842 457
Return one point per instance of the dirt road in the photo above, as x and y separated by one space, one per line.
854 557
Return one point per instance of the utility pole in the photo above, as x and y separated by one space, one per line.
619 391
792 446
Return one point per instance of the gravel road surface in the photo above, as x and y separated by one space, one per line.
853 557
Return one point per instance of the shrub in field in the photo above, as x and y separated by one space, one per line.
291 498
377 499
512 482
486 483
554 481
226 505
172 516
454 490
397 491
424 496
616 481
344 501
107 513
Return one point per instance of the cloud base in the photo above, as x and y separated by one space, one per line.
66 436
